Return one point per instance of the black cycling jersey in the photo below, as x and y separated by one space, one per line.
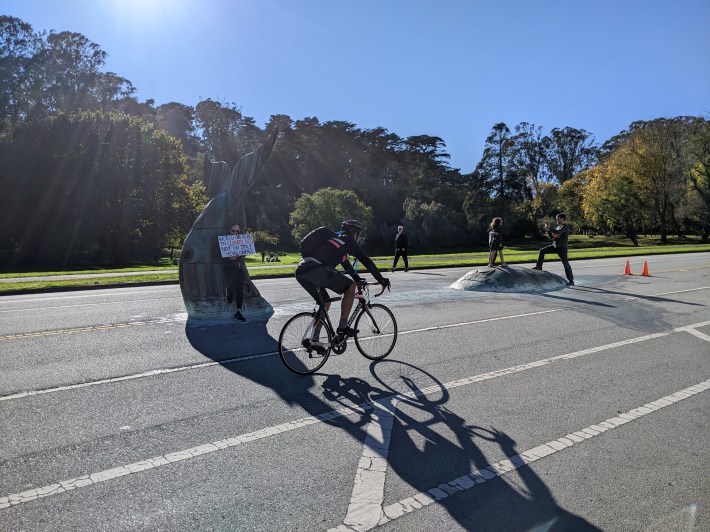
336 250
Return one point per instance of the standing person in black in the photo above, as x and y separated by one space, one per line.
400 249
316 272
233 268
559 235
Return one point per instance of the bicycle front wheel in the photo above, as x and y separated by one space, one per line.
297 349
377 332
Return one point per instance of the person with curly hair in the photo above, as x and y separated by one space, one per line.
495 242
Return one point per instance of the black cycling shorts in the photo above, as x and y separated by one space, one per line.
316 278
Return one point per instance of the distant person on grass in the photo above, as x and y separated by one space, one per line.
559 235
495 242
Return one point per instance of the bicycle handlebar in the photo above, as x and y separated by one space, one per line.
368 283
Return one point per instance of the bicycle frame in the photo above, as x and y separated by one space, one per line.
300 342
363 301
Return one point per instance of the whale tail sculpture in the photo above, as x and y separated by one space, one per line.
202 279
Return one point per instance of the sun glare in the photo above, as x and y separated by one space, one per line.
142 11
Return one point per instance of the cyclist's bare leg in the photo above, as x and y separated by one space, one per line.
319 325
347 303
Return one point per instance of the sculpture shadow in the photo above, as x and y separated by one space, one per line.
576 300
638 314
249 350
655 299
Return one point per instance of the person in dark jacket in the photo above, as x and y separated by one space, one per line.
559 235
400 249
233 268
316 272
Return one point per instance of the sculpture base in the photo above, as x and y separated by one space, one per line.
509 279
219 309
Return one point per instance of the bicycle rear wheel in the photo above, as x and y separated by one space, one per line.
295 348
377 332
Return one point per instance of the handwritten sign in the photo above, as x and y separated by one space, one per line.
236 245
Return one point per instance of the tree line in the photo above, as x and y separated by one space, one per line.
89 174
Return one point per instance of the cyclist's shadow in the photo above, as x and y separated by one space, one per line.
431 445
421 456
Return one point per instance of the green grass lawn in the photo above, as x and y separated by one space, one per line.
524 251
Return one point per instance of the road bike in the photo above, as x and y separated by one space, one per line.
307 339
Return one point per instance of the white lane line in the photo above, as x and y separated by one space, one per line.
700 335
680 291
466 482
637 297
365 508
151 373
92 328
159 461
80 295
483 320
77 305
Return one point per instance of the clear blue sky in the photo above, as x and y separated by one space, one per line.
449 68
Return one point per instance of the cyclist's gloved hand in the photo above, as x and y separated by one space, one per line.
358 280
386 282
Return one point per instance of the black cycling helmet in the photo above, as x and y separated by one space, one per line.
352 226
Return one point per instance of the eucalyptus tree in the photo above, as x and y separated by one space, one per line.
68 73
568 152
179 121
425 163
500 175
19 45
530 161
226 133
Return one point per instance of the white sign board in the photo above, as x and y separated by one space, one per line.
236 245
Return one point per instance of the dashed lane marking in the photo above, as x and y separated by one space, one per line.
374 433
91 328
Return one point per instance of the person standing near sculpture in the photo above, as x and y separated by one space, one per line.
400 249
234 268
495 242
559 235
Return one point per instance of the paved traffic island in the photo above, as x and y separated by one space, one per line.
509 279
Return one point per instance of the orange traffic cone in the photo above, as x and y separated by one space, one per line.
644 272
627 270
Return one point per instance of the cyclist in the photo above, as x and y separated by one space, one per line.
316 272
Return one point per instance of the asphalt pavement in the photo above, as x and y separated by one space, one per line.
582 408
